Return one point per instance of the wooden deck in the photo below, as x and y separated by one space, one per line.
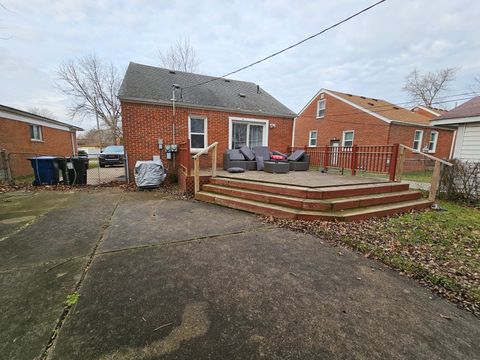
308 179
309 195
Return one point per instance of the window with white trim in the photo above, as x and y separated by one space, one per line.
36 132
197 132
312 138
417 140
432 144
347 139
320 109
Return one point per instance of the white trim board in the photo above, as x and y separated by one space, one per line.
455 121
13 117
231 119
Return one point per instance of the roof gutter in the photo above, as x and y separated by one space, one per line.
405 123
206 107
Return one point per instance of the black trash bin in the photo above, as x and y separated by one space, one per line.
77 171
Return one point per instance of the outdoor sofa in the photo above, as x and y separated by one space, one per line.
253 159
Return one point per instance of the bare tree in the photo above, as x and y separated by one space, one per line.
94 136
476 86
41 112
93 87
181 56
426 87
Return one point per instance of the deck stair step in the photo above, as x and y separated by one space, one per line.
279 211
314 204
346 202
311 193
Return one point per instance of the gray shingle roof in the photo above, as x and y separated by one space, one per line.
153 84
467 109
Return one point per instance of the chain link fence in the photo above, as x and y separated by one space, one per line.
102 169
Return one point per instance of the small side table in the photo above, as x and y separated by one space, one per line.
276 167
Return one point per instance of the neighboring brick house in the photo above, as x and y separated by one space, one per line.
340 119
232 112
23 135
429 112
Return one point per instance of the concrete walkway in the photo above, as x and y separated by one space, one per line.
171 279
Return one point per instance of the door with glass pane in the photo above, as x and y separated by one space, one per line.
249 134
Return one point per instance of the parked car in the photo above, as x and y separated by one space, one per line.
112 155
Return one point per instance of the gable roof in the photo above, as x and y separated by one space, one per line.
383 109
432 110
20 115
151 84
467 109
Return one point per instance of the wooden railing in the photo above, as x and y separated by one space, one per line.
367 158
184 158
437 169
196 164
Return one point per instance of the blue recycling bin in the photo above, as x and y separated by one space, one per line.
45 169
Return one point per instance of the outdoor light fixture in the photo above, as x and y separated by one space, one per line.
272 126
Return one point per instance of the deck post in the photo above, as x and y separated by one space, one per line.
196 174
393 162
435 181
188 160
326 156
400 163
214 161
353 162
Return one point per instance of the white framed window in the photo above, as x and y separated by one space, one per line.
347 138
249 132
197 132
312 138
417 140
432 144
36 133
320 108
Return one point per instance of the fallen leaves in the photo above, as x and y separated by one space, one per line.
441 250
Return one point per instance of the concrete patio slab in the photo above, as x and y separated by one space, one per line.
70 230
268 294
139 221
32 300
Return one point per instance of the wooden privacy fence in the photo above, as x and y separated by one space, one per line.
368 158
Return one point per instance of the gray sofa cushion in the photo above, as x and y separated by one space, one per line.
260 164
236 155
296 155
262 151
236 170
249 155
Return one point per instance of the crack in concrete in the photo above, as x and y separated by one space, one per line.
184 241
66 310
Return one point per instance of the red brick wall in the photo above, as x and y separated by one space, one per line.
15 138
402 134
143 124
339 116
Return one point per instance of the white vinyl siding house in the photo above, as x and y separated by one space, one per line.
467 144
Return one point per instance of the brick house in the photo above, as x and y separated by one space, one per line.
339 119
232 112
23 135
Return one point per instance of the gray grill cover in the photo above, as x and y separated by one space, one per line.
149 174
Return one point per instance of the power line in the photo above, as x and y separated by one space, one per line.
288 47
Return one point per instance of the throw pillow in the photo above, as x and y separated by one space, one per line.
260 163
249 155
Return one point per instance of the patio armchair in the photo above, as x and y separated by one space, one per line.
299 160
234 158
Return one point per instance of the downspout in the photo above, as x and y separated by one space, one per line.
293 131
452 147
73 142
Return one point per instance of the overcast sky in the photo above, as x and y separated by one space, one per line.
369 55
